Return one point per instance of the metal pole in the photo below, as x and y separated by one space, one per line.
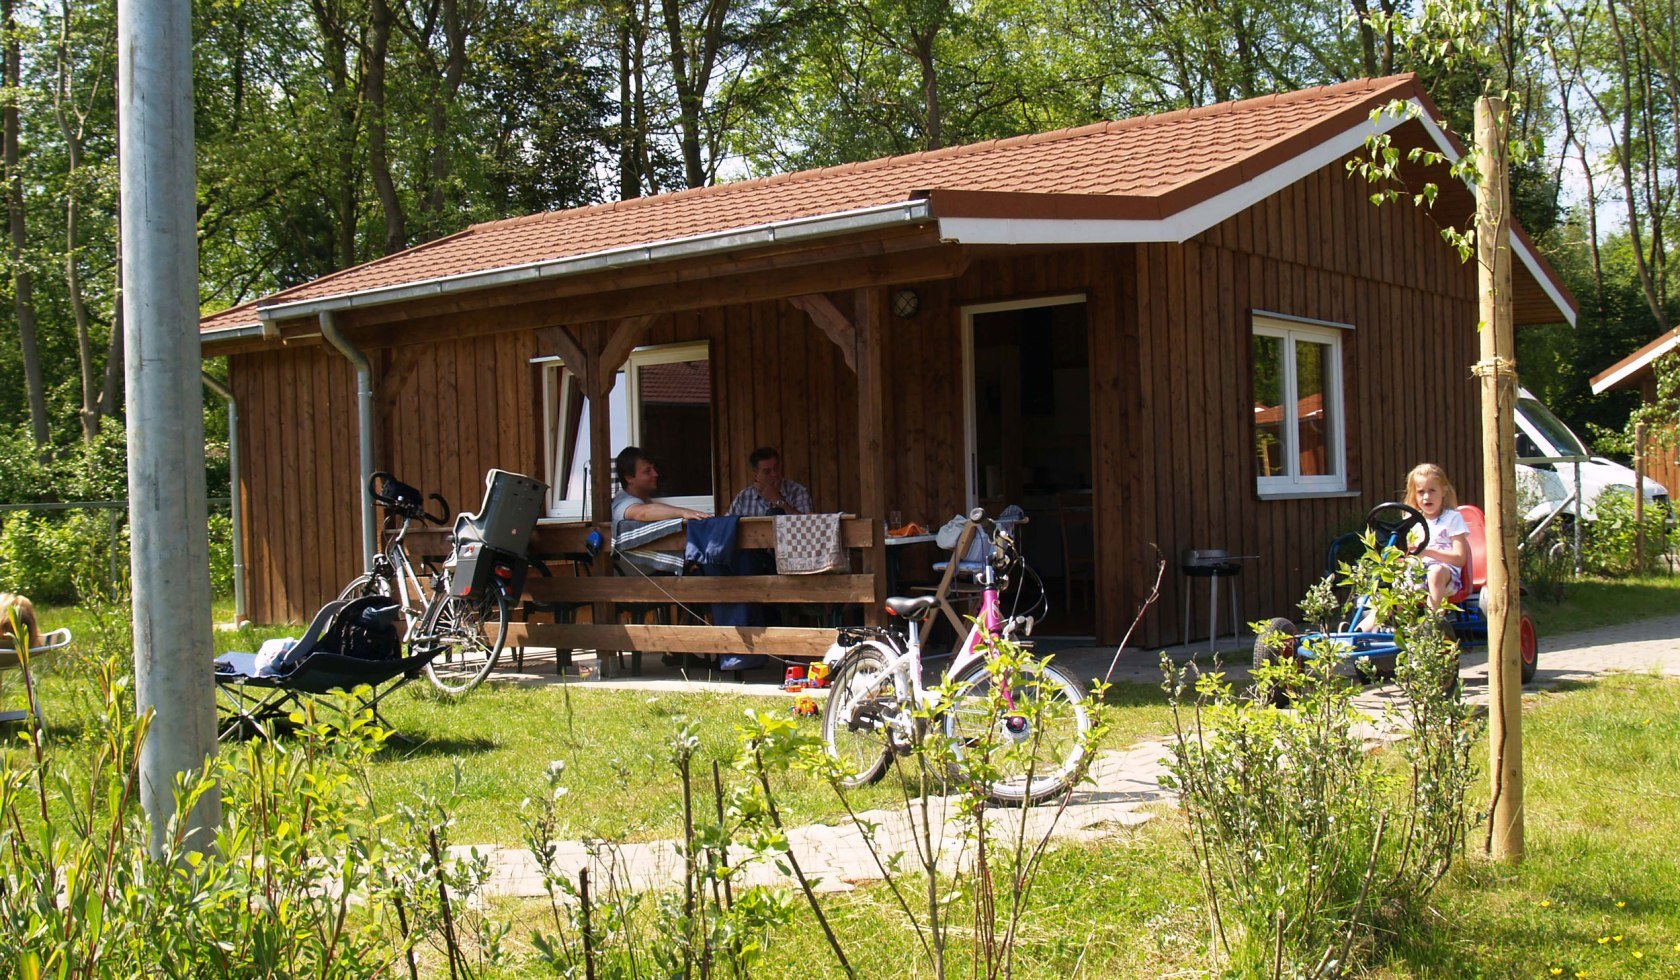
1498 374
236 510
1639 497
170 550
364 428
1580 515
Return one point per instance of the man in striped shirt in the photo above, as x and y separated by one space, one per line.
769 494
638 520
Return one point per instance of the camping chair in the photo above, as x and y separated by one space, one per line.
11 659
350 647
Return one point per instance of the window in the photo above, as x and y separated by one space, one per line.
661 401
1298 427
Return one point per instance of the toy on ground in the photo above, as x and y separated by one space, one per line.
1394 524
805 706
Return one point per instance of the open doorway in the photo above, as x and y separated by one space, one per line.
1028 402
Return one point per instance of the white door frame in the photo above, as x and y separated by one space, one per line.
970 421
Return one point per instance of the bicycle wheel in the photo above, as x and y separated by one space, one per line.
861 698
465 637
1032 734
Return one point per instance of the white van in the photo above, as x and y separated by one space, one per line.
1546 487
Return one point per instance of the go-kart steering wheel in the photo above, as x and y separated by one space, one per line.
1394 522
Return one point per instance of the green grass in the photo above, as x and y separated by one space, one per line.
1593 602
497 742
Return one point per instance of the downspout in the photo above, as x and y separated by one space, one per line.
234 504
364 425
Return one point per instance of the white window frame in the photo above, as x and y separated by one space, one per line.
557 385
1293 484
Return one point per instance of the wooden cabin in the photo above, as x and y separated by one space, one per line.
1190 330
1638 372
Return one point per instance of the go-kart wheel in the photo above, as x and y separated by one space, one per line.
1265 656
1528 645
1393 524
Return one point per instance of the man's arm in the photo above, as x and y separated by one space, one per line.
797 496
660 512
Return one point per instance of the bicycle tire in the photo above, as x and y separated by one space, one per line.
455 629
1041 759
861 746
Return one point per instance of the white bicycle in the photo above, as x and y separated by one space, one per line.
1033 730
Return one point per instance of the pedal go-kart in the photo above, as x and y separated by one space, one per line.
1394 525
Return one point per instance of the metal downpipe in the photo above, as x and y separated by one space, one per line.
364 425
237 509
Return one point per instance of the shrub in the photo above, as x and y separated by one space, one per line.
1304 839
1608 542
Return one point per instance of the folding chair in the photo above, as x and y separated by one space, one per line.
11 659
350 648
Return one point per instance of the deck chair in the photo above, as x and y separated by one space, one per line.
12 659
350 647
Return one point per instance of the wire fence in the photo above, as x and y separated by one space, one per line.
114 552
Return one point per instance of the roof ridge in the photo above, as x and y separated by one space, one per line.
967 149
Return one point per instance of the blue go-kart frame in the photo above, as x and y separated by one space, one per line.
1393 524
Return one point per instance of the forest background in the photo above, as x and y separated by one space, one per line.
331 132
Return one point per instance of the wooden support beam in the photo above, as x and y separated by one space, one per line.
702 589
621 340
600 462
870 361
577 361
427 326
782 641
831 322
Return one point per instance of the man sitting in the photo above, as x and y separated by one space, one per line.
769 494
638 521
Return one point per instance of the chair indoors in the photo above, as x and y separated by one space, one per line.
351 647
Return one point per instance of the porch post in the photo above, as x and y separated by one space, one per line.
597 386
870 359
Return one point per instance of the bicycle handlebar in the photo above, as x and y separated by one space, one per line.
400 498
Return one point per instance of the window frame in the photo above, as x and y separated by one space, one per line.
1293 483
557 386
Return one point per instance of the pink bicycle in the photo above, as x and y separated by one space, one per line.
1033 731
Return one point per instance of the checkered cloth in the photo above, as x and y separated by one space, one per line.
807 544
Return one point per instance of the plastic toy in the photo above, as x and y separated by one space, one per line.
805 706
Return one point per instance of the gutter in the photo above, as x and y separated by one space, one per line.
238 510
891 215
364 425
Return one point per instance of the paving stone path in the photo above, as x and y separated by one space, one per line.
1124 784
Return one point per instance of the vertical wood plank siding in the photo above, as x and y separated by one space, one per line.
1171 400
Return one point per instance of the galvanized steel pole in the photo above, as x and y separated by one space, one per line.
170 551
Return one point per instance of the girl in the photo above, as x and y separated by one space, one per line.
16 605
1448 551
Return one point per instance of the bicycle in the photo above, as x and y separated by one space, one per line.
876 679
465 634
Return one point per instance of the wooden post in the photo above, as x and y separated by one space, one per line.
597 387
1639 497
1497 370
870 358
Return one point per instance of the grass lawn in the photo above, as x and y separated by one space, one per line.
498 741
1593 602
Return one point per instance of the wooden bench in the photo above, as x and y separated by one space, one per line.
558 545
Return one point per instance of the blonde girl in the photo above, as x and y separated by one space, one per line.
1447 553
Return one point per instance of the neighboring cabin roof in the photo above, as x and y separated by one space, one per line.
1634 366
1165 177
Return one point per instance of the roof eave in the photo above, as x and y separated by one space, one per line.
895 214
1634 365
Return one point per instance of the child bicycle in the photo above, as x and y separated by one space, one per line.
464 633
1037 739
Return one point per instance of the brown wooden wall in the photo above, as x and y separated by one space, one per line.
1318 249
1662 456
1171 401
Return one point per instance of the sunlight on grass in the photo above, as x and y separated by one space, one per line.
1594 602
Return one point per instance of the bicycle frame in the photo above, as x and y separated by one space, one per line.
402 577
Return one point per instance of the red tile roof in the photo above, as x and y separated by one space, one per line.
1141 167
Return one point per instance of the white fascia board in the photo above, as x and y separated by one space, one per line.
1632 367
1197 218
790 230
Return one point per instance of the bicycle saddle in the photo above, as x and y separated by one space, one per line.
912 607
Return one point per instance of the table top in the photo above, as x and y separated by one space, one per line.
911 539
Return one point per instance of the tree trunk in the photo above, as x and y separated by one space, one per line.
71 129
1497 370
111 390
935 124
379 163
455 34
629 169
23 285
